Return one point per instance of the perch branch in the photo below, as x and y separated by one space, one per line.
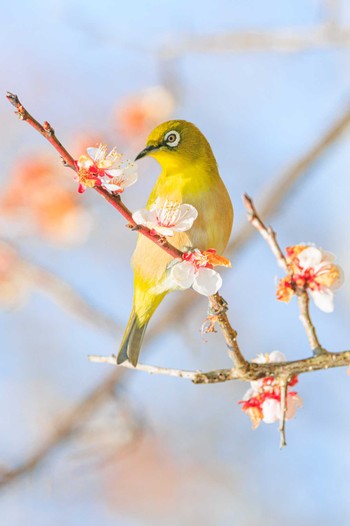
48 133
253 371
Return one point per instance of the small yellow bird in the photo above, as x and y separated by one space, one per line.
189 175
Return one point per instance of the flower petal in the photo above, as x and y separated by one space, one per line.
119 172
207 281
130 169
130 176
164 230
250 393
97 154
111 187
310 257
144 217
294 402
277 356
182 274
271 409
323 299
84 162
274 356
187 215
215 259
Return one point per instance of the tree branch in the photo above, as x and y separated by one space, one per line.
305 318
253 371
282 424
303 298
48 133
266 232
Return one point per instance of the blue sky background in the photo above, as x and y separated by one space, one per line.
199 461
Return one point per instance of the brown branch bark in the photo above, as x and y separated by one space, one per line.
282 424
252 372
305 318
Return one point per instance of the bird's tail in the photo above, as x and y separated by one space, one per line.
132 341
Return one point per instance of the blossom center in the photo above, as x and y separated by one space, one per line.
198 259
168 215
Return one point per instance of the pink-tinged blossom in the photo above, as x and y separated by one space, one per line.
262 402
166 217
312 269
196 271
100 168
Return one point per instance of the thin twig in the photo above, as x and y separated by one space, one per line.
266 232
284 396
45 130
218 308
151 369
305 318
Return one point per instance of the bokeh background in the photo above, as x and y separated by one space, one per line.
82 442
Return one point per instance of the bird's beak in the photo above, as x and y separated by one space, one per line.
146 151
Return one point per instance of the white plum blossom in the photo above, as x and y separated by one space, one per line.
325 276
166 217
196 271
204 280
262 402
312 269
100 168
102 159
118 179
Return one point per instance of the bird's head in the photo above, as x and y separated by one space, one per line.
175 144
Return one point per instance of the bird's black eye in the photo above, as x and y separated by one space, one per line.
172 138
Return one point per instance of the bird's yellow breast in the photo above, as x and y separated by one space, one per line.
202 189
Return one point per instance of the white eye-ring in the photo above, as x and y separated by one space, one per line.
172 138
